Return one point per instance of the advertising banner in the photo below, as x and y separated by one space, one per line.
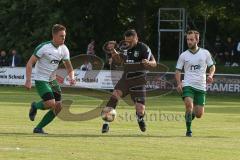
105 79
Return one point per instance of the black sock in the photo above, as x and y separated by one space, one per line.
139 117
112 102
193 115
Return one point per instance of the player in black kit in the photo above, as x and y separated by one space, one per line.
135 60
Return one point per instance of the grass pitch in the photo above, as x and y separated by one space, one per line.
215 137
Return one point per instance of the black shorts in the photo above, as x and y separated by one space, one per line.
134 86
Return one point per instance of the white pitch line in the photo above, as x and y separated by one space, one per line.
10 148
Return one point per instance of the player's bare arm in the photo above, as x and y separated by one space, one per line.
149 64
211 73
70 71
178 80
31 62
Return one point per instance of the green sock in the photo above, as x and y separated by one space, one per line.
39 105
193 116
188 118
48 117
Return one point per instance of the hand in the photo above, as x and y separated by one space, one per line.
72 82
145 62
209 79
179 88
28 84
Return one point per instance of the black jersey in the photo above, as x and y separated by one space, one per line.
136 54
133 58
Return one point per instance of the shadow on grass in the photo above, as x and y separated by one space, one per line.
98 135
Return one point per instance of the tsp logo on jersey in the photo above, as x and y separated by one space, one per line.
195 67
54 61
136 54
125 52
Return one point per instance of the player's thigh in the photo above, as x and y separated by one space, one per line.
56 89
121 88
199 98
45 92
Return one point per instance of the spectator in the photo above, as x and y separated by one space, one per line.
218 50
15 58
109 62
236 54
86 66
228 51
91 48
3 59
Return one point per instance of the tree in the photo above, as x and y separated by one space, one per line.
26 23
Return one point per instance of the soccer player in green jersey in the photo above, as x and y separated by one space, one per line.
46 58
194 61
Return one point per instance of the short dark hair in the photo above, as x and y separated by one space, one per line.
130 32
196 33
58 27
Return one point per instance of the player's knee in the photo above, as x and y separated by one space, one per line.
188 102
58 108
199 115
199 111
49 100
189 105
114 97
50 104
116 94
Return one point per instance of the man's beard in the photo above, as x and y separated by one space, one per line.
192 47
